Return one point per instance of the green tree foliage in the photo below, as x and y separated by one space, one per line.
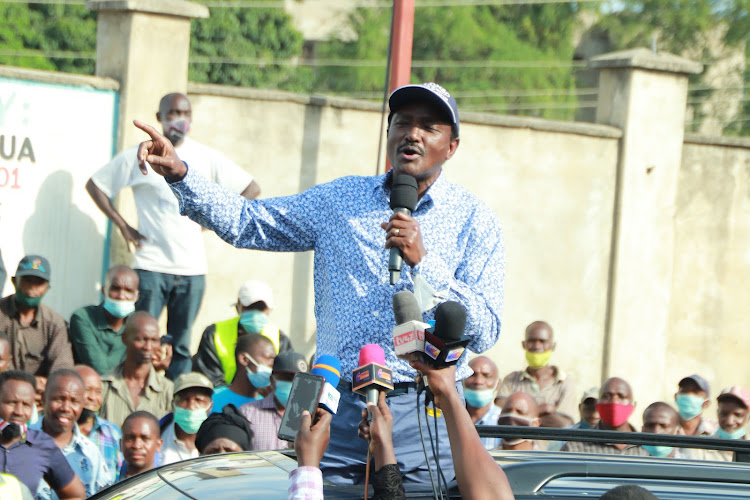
458 35
234 34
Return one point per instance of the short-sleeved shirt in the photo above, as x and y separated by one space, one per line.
604 448
265 421
561 392
490 418
41 347
117 403
106 436
174 244
95 343
224 395
35 459
85 460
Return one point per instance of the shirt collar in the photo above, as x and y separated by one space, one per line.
75 443
560 375
16 314
153 378
435 194
100 318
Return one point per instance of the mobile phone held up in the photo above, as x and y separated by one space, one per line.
305 395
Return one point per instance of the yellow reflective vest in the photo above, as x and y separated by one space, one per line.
225 340
10 488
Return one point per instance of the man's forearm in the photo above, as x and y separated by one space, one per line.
105 204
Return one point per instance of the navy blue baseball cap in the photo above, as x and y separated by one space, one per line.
700 382
431 92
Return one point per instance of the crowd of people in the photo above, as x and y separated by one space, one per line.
91 401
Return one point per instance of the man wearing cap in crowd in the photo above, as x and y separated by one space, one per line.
692 399
265 415
192 405
96 330
452 248
733 413
38 335
216 352
587 410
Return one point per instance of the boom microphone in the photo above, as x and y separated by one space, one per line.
408 335
403 199
372 375
329 368
445 343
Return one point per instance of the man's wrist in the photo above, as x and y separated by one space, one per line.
178 177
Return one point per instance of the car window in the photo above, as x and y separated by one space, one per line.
667 489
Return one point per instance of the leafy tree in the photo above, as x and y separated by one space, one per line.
258 34
479 33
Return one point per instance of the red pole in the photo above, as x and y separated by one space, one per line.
403 38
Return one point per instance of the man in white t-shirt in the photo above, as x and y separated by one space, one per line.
169 254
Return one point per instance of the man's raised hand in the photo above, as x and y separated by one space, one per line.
160 154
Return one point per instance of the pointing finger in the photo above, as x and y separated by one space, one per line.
155 135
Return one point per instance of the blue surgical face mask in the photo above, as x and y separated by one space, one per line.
190 420
738 434
34 415
262 376
282 391
658 451
253 321
689 405
585 425
119 308
478 399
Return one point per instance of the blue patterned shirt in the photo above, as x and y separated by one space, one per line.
340 221
85 460
106 436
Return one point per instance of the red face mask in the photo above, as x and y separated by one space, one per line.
614 414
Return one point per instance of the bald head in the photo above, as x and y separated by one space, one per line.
138 322
169 101
616 390
520 403
484 364
122 272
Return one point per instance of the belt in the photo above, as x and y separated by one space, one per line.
398 388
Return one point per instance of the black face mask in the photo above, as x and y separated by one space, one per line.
86 415
11 431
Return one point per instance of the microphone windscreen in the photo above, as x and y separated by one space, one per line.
371 353
329 368
450 321
404 193
406 308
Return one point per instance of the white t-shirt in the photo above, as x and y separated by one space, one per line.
174 243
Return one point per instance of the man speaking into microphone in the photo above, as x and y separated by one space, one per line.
451 246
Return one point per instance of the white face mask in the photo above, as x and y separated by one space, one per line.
516 420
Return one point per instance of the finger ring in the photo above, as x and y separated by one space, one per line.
395 233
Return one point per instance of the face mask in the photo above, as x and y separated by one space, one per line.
689 405
282 391
479 399
738 434
24 300
86 415
253 321
658 451
119 308
176 130
537 359
190 420
516 420
614 414
262 376
584 425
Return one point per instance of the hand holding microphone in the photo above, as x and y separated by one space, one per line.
403 235
329 368
372 376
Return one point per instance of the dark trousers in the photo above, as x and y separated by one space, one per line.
345 458
182 295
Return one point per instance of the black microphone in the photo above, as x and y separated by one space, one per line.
403 199
445 343
408 334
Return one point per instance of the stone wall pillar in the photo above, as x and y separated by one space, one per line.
143 44
644 94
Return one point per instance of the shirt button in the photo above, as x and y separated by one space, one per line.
375 313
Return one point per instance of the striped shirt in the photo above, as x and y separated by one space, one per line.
561 392
106 436
490 418
265 420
